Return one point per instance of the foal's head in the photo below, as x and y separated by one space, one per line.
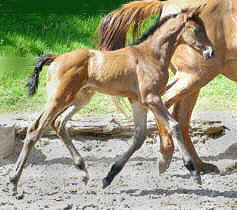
194 33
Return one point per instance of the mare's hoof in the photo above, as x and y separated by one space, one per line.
206 168
105 183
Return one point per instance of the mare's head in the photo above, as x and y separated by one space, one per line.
194 32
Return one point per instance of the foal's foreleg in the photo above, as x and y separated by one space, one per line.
140 120
182 112
161 114
166 148
183 93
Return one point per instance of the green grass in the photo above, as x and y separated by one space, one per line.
219 94
24 37
32 35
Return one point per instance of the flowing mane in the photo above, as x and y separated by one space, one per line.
153 28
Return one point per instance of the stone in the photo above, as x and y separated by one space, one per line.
7 140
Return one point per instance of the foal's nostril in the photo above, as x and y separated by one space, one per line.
212 53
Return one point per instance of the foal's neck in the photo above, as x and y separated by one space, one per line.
165 40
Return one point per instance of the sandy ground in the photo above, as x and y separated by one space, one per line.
50 180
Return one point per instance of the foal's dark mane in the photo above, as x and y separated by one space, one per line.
153 28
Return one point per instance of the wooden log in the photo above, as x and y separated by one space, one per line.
101 125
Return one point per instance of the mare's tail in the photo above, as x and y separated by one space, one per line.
34 78
113 29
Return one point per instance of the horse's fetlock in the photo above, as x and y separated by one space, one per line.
189 165
79 163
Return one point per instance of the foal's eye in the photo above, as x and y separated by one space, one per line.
196 30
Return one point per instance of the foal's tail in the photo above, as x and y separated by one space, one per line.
34 78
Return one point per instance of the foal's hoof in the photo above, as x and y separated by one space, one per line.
105 183
164 162
20 196
197 179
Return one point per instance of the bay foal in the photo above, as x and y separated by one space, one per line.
139 72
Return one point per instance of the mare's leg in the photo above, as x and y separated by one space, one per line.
60 127
140 120
161 114
182 112
183 92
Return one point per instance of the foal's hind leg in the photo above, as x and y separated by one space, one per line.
140 120
161 114
33 134
60 127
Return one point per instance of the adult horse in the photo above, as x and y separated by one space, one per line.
139 72
192 72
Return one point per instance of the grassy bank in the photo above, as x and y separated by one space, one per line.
33 35
24 37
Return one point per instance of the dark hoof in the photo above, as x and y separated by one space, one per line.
20 196
197 179
105 183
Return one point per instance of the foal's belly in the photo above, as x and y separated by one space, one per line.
125 88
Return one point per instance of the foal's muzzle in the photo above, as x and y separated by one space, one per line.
208 53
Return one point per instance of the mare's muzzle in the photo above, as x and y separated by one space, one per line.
208 53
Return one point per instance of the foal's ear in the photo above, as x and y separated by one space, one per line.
196 11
